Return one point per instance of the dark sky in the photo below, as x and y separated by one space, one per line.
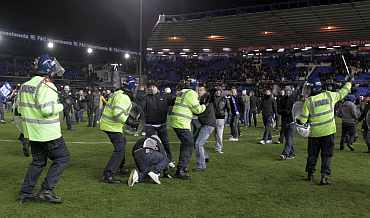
105 22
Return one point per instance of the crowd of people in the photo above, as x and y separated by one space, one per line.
194 110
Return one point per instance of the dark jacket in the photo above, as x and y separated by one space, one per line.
363 117
286 105
268 106
208 117
155 108
239 107
253 104
221 106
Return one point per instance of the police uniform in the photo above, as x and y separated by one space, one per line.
39 109
186 104
112 122
318 110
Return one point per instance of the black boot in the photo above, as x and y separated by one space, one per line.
111 180
182 174
324 180
350 147
49 196
341 148
310 177
25 197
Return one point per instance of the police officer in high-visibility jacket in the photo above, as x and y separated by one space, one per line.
318 111
39 110
114 117
186 105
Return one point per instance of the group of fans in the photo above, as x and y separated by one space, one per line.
194 113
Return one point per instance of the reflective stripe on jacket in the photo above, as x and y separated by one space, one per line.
39 109
186 105
116 112
318 110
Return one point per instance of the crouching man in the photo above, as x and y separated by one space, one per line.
150 159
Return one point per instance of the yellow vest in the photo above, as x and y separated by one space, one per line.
186 105
39 109
116 112
318 110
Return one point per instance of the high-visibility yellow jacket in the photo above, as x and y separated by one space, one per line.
116 112
318 110
39 109
186 105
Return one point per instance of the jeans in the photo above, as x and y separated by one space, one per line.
118 156
324 144
366 135
254 115
204 133
220 125
163 136
2 111
67 116
246 117
186 147
267 122
348 134
54 150
148 160
93 116
79 116
234 125
289 144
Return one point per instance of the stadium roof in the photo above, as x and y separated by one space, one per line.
238 29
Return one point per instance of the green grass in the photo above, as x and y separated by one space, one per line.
246 181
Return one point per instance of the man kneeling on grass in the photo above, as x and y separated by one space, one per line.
150 158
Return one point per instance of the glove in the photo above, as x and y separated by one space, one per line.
350 78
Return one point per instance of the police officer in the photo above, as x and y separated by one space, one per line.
186 104
151 158
39 109
114 116
318 110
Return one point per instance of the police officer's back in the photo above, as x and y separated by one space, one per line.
318 110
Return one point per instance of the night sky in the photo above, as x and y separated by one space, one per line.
104 22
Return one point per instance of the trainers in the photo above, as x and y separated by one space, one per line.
133 178
278 142
291 157
49 196
143 134
25 197
136 134
324 180
154 177
219 152
268 141
111 180
182 174
233 139
172 164
262 142
283 157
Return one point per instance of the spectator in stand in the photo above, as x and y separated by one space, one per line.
268 107
221 105
253 109
237 108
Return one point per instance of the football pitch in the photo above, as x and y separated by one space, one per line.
247 180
